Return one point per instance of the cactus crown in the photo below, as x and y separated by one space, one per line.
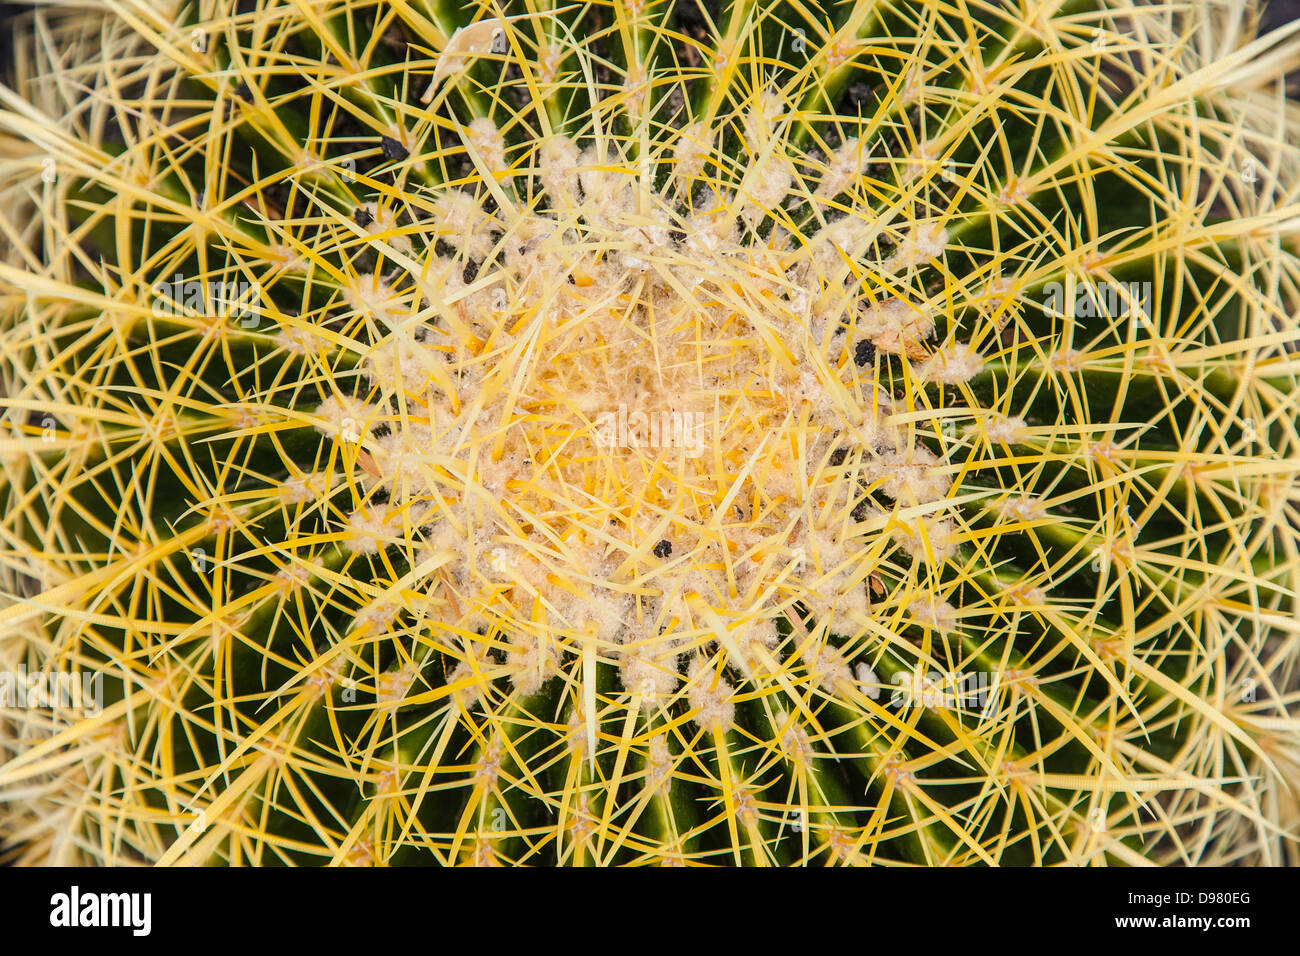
644 432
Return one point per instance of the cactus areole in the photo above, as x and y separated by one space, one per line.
637 432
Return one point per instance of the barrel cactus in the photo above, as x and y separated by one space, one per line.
637 432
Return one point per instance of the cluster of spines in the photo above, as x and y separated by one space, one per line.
742 809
